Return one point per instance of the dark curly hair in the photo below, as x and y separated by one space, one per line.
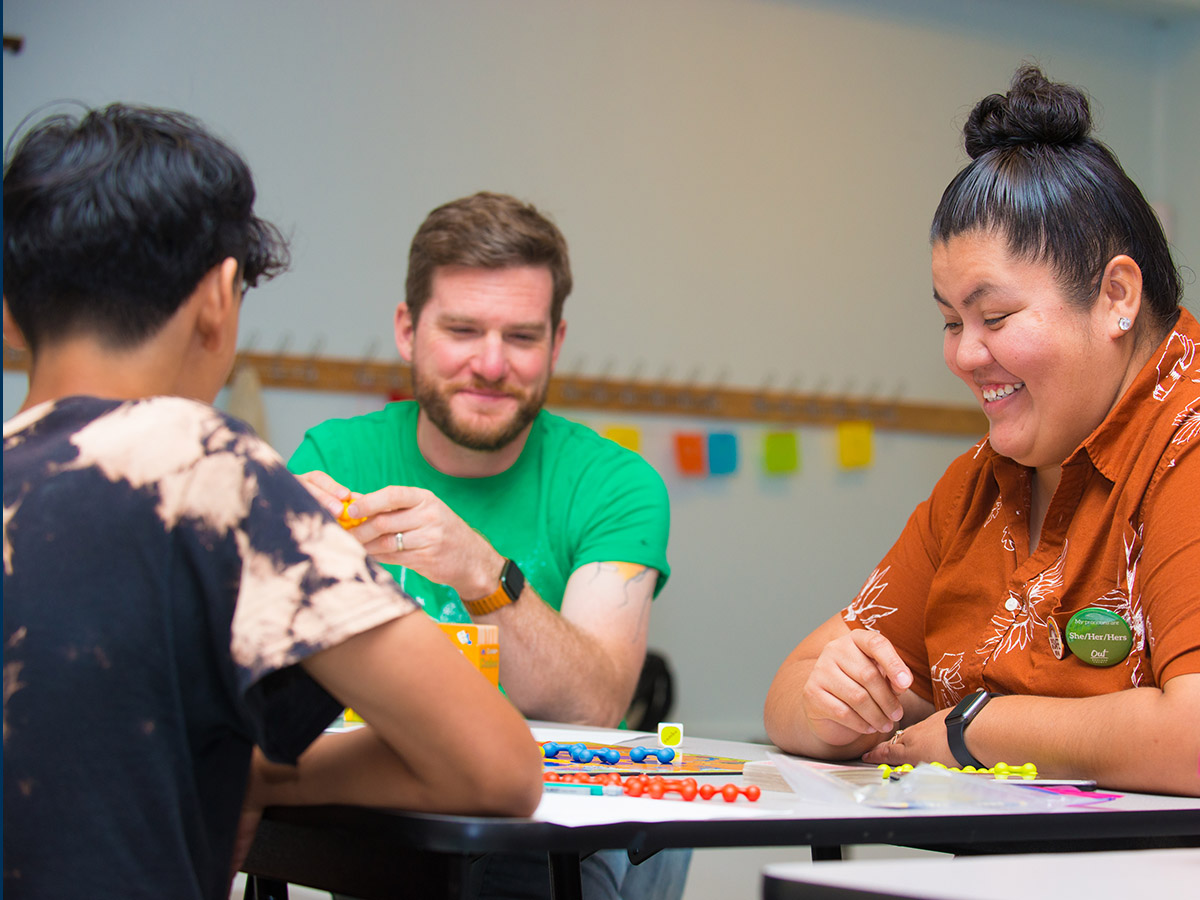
1057 195
112 217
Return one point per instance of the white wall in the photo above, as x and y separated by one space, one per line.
746 186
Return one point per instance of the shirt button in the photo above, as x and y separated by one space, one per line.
1011 603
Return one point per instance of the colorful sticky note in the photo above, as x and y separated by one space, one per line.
781 452
855 444
689 454
627 436
722 453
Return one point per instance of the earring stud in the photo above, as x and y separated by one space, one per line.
1124 323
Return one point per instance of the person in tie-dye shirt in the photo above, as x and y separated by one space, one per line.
182 620
1043 604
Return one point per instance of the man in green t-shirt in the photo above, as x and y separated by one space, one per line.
485 507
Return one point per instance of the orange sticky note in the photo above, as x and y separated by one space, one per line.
855 444
628 437
689 454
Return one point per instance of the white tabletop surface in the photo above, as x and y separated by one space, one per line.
1161 874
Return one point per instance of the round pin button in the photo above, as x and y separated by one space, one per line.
1099 637
1055 637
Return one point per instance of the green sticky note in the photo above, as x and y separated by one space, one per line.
781 452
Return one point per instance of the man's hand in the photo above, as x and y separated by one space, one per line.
331 495
435 542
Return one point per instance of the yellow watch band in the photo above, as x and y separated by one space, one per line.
512 582
489 604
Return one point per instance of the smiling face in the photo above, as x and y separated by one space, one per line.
1045 372
482 353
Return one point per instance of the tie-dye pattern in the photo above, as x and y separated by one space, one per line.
163 574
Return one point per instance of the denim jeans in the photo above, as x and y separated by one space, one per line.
606 875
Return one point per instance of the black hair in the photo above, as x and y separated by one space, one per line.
113 216
1057 195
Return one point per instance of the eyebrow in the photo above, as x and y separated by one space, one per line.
538 327
981 290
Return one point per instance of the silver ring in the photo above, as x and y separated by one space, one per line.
399 541
896 736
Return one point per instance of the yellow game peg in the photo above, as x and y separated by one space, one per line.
1000 770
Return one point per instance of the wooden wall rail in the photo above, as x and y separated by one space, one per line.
615 395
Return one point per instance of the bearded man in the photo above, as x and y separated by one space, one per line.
487 508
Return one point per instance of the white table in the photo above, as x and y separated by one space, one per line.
374 853
1161 874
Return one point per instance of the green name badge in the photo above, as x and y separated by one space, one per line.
1099 637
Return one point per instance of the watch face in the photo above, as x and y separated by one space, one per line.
970 704
513 580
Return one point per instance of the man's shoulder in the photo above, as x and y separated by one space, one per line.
164 427
562 435
593 465
393 417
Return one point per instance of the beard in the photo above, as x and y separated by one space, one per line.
434 401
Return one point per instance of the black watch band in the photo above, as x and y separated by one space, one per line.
956 726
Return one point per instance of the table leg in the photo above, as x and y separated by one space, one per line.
264 889
827 854
565 880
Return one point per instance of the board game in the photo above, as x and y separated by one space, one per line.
683 764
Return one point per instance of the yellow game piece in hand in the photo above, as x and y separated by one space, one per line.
344 520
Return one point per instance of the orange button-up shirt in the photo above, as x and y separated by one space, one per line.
968 607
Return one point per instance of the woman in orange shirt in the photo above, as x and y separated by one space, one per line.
1044 603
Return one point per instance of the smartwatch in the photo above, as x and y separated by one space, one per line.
512 582
956 725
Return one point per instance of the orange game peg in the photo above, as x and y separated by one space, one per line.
344 519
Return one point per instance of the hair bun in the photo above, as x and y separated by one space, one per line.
1034 111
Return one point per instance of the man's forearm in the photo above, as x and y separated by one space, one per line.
552 669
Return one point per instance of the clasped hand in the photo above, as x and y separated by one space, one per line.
437 543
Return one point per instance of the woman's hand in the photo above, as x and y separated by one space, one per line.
922 742
855 688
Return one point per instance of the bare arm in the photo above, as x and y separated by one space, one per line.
428 710
580 665
839 693
1142 739
577 665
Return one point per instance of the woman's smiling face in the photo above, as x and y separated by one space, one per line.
1045 372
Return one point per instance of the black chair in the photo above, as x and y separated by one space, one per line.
653 696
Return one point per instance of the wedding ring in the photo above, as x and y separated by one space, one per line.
399 541
896 736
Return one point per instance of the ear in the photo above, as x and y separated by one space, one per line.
12 334
1120 295
560 334
406 331
219 303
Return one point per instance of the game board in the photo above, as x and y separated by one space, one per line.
684 763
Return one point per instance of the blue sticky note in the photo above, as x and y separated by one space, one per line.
722 453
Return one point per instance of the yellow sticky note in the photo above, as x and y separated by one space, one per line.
855 444
628 437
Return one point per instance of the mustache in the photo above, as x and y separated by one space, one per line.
496 387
